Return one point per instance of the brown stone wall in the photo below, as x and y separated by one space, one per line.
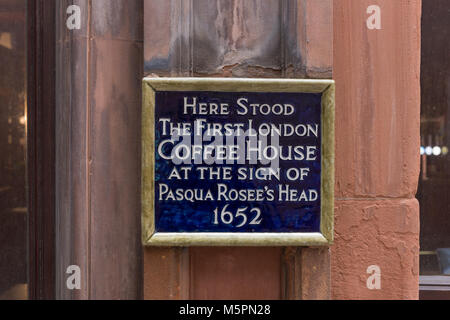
98 107
238 38
377 142
377 139
377 75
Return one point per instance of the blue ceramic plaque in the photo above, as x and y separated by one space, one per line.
237 162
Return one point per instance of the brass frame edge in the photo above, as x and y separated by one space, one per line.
327 165
148 163
238 239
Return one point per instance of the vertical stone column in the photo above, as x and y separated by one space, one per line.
99 72
238 38
377 75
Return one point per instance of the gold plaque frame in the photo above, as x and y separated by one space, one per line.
150 237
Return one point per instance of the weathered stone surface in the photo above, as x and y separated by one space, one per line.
235 273
98 77
315 274
382 233
377 75
166 275
251 38
114 167
316 31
